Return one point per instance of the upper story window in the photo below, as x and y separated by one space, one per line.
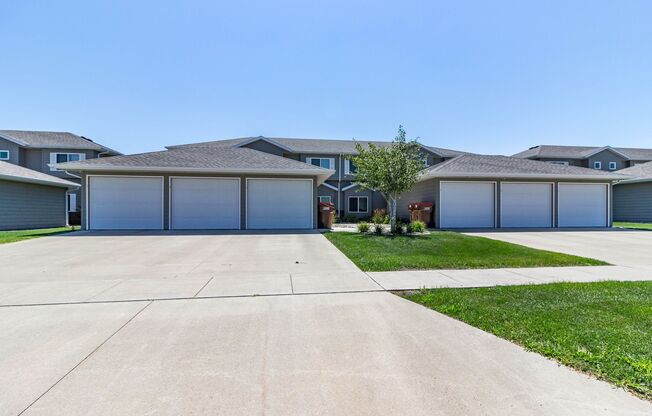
613 166
65 157
425 163
559 162
597 165
4 154
349 167
322 162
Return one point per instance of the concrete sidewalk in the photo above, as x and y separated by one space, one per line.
419 279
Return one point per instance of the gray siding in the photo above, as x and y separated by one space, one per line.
26 205
571 162
426 191
14 151
605 157
166 193
633 202
263 146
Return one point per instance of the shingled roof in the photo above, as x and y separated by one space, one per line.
201 159
638 173
489 166
581 152
310 146
53 140
15 173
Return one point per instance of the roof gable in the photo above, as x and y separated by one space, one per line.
606 149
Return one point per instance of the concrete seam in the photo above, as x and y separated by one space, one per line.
104 291
374 280
291 284
202 288
85 358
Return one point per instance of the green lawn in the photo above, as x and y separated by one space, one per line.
604 328
13 236
634 225
444 250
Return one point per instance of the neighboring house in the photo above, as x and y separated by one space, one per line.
633 197
265 183
350 200
601 158
41 150
30 199
477 191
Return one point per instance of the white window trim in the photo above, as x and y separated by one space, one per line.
53 158
613 165
8 154
347 167
72 202
348 204
331 161
597 165
324 196
559 162
425 163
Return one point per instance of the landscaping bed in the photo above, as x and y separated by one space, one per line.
604 329
444 250
13 236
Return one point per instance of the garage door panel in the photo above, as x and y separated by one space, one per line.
205 203
583 205
526 205
279 204
125 203
468 205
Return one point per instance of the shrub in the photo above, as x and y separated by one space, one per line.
418 226
408 228
378 229
399 228
349 218
363 227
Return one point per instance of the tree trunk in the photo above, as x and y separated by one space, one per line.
392 203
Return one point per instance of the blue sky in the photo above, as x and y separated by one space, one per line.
485 76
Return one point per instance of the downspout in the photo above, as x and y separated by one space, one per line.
339 188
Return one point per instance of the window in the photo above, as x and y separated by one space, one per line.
349 167
597 165
4 154
324 198
358 204
559 162
65 157
613 165
425 163
72 202
322 162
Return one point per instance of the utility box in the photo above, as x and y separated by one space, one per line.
326 214
421 211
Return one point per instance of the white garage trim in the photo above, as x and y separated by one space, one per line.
87 197
203 177
312 197
607 202
495 202
553 196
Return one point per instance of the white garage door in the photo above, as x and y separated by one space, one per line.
204 203
467 205
526 205
583 205
125 203
279 204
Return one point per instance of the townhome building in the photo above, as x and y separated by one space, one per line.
605 158
39 151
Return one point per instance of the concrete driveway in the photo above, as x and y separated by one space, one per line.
87 341
630 248
111 266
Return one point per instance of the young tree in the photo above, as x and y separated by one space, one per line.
390 170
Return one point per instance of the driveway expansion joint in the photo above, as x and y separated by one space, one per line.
84 359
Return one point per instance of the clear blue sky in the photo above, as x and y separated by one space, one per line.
485 76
